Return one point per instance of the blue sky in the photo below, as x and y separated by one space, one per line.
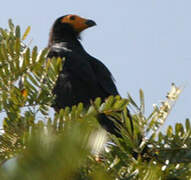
145 43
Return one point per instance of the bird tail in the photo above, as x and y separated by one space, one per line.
131 120
108 124
112 124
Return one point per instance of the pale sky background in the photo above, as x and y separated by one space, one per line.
145 43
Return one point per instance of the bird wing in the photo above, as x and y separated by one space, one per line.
87 68
103 76
74 62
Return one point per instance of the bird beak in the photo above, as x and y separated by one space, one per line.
90 23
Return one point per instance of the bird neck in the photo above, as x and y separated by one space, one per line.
60 36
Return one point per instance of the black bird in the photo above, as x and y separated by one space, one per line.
83 77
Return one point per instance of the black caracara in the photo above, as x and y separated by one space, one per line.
83 77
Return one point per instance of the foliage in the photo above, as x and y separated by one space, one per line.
37 143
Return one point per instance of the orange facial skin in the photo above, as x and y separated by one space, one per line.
77 22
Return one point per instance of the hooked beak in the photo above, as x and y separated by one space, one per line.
90 23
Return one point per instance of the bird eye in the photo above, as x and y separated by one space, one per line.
72 17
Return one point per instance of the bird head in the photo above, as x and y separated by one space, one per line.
77 23
69 26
